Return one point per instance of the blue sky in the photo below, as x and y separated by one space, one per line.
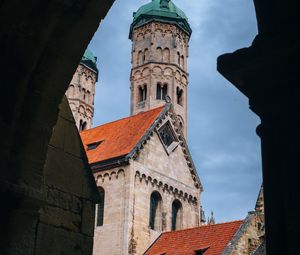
221 128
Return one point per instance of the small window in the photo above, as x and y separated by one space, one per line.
141 92
159 55
166 135
158 91
83 126
200 251
100 207
155 220
93 146
164 91
142 96
145 92
179 93
176 215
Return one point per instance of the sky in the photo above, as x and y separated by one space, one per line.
221 128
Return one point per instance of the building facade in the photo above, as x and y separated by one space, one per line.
144 171
81 91
147 179
160 35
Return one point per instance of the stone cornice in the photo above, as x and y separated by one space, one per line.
178 193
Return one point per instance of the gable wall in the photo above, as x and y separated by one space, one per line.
169 175
173 166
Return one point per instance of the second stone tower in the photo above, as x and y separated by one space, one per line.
160 35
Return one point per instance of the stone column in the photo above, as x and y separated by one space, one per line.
267 73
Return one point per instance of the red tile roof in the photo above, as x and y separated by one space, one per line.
118 137
186 242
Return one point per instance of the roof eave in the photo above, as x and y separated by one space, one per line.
109 163
169 20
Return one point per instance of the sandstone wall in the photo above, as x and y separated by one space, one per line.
248 238
81 94
159 55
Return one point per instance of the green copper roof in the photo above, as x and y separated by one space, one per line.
89 60
160 10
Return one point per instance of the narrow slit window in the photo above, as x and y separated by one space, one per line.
100 207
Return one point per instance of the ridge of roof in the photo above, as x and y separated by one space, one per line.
124 118
205 226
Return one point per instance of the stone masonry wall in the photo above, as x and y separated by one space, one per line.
81 93
159 55
112 238
248 237
66 221
170 176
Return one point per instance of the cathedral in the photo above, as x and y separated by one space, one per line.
142 165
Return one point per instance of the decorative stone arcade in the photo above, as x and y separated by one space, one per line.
81 91
160 34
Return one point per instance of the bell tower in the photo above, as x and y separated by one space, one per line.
81 91
160 35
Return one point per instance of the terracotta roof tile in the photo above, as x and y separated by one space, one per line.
186 242
118 138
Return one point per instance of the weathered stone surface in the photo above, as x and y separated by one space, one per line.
248 237
54 241
60 218
81 94
159 56
40 52
64 200
88 218
127 199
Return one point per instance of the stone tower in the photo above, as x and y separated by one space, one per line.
81 91
160 35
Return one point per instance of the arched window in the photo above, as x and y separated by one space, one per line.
146 55
176 215
141 97
140 57
158 91
83 94
178 58
166 55
82 125
161 91
159 54
155 221
88 96
145 92
182 61
164 91
100 207
179 93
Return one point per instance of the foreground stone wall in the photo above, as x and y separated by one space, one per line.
40 52
66 221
